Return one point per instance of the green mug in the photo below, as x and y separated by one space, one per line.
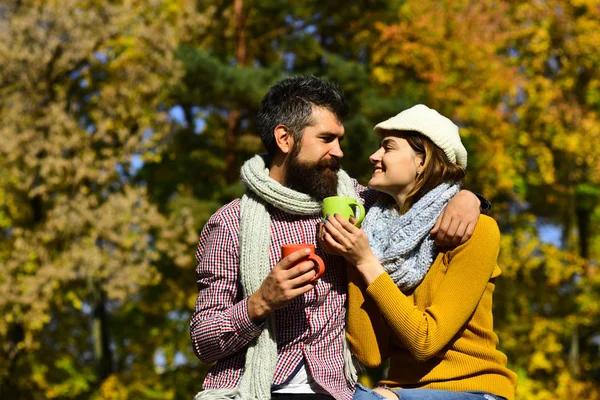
345 206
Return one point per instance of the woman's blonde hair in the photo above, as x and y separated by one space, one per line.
436 170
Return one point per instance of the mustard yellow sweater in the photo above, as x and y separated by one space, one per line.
441 336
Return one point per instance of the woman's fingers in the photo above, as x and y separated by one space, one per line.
342 225
337 231
348 225
333 243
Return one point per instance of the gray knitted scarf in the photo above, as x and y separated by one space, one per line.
255 237
402 242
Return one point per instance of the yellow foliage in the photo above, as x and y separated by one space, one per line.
86 86
567 388
113 389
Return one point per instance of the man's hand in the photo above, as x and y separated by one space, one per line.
290 278
457 221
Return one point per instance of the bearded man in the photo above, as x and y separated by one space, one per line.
272 330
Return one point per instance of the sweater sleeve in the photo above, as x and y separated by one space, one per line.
366 331
425 333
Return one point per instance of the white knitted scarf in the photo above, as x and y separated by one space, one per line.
255 237
402 243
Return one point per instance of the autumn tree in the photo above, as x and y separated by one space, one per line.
521 81
83 101
556 122
124 125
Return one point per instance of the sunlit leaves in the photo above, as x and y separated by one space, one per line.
83 87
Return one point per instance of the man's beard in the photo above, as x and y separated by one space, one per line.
318 180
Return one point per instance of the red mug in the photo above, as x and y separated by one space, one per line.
288 249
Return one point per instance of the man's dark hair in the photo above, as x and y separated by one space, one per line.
290 103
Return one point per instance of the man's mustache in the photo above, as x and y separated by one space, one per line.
332 163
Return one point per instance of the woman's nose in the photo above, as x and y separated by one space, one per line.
375 157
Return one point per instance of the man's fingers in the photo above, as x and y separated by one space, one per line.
304 278
452 237
440 236
321 231
468 233
299 270
329 246
293 259
460 233
436 227
303 289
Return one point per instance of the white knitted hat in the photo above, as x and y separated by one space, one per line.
441 131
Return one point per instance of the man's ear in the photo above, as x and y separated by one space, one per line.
284 138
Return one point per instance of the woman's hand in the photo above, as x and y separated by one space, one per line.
340 237
329 249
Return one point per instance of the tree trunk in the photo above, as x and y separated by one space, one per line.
583 216
231 171
574 365
235 116
583 228
102 349
9 387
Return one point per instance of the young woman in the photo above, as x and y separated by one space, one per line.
427 309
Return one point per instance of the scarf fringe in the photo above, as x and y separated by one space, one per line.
217 394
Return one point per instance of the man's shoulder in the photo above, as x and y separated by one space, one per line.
368 195
228 211
227 217
220 228
358 186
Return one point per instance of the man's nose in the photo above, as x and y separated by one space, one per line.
336 150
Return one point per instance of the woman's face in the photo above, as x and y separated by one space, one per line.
396 165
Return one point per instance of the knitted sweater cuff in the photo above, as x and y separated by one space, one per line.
389 299
380 287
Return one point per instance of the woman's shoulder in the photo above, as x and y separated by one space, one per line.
485 235
486 226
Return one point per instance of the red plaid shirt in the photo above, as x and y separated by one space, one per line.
310 329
